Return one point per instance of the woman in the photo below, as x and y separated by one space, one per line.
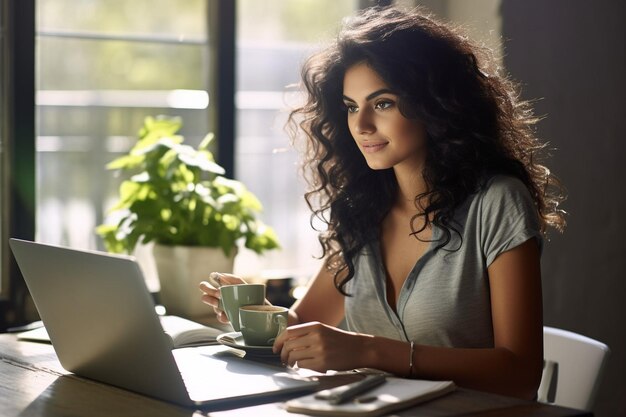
426 171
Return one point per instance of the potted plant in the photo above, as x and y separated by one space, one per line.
177 197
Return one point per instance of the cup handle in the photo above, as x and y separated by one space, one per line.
282 325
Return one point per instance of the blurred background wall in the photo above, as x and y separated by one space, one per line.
570 58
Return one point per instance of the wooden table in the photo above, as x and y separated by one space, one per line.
33 383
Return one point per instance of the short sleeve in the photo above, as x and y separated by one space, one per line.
508 217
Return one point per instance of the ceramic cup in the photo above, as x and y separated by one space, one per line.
235 296
260 324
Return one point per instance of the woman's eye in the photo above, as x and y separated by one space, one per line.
383 105
351 108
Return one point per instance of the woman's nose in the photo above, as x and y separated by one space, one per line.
363 123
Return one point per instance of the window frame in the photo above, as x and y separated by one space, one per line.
18 149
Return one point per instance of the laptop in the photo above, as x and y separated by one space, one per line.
102 323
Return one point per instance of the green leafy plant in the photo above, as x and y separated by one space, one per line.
175 194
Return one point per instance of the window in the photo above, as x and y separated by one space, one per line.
273 39
102 67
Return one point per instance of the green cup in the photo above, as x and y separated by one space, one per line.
235 296
261 324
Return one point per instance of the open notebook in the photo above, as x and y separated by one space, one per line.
101 321
394 394
183 333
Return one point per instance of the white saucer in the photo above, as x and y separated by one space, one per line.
235 340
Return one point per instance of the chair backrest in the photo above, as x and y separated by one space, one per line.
573 366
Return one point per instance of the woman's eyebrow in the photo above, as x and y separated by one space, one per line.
372 95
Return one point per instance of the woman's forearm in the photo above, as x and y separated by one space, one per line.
495 370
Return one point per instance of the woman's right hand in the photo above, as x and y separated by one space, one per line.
211 293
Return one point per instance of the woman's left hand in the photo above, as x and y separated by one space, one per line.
211 294
320 347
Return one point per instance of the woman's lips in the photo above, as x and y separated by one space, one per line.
373 147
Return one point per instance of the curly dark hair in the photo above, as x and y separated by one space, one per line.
475 124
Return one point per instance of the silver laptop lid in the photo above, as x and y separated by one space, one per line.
100 318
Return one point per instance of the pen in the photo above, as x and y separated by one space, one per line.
349 392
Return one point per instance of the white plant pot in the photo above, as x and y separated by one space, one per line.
180 270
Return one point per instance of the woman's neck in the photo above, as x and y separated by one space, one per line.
410 185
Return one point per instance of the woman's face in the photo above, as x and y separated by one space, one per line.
386 138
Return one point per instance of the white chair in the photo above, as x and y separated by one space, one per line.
573 366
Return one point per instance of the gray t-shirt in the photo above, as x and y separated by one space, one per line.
445 299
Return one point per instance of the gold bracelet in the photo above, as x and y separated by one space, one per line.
411 359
